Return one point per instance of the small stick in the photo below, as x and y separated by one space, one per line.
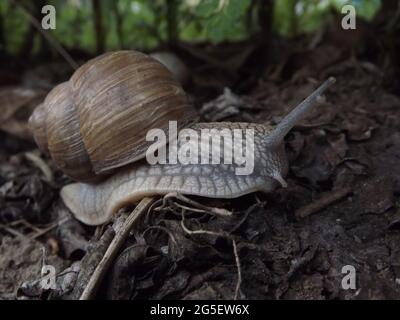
201 231
119 239
239 270
322 203
203 208
44 231
12 231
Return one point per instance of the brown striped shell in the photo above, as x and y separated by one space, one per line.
98 120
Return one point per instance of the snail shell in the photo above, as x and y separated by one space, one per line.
98 120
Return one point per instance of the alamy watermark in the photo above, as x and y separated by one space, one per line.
349 20
349 280
203 146
48 280
49 20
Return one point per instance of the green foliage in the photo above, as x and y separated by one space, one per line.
142 24
16 22
293 17
365 8
75 23
218 20
285 20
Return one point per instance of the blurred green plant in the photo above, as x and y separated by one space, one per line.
14 26
144 24
216 20
294 17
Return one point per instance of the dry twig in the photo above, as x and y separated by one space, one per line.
200 207
119 239
239 270
323 202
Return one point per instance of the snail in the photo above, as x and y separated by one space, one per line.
97 121
95 128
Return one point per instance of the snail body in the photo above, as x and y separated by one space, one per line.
95 204
92 101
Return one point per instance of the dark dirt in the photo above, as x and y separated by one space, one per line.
341 208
